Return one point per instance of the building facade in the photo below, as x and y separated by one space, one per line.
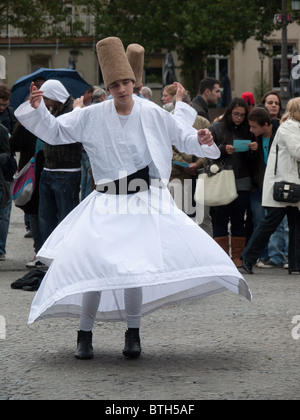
243 67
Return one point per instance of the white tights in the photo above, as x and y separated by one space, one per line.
133 308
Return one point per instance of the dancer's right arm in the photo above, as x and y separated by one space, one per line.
35 96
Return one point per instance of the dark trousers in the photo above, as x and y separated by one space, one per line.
267 226
233 213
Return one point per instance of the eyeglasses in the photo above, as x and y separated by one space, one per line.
238 115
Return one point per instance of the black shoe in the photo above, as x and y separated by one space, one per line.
247 266
294 271
28 234
132 348
84 345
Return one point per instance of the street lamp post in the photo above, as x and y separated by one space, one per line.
261 53
284 73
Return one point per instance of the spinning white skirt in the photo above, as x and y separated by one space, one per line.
109 243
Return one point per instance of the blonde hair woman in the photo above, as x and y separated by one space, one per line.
283 165
168 94
292 110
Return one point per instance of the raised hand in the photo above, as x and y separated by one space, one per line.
180 91
35 96
205 137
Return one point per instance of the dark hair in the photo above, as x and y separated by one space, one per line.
5 92
38 81
227 119
260 116
272 92
90 89
207 83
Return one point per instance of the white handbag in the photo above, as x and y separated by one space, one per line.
215 186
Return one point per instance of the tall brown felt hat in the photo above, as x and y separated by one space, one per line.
113 61
135 54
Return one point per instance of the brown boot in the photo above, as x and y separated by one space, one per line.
223 241
237 246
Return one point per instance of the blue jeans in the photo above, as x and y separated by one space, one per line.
277 248
59 195
258 212
5 212
86 182
35 232
279 243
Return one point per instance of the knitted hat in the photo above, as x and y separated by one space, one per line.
55 90
248 98
113 61
135 54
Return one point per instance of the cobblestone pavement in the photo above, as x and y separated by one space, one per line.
220 347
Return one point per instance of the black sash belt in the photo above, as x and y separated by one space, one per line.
137 182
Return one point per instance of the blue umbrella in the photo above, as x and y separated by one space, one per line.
71 80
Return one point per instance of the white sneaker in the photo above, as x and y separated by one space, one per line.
2 257
260 263
35 264
268 264
286 265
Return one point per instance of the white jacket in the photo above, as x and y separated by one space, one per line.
288 140
97 127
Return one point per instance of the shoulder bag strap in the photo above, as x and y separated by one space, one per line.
276 161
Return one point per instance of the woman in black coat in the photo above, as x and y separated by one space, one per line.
233 126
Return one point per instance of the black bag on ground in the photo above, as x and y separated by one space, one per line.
31 281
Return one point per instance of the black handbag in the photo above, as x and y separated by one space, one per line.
286 192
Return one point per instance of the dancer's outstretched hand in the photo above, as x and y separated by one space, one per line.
35 96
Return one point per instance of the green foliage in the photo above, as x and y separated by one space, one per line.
260 87
39 18
192 28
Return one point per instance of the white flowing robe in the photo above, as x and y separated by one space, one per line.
110 243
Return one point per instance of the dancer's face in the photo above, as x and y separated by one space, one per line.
122 91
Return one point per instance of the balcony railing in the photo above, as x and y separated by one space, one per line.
88 27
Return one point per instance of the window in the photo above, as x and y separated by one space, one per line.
277 63
38 61
217 67
154 70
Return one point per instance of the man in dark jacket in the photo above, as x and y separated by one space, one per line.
209 94
264 129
